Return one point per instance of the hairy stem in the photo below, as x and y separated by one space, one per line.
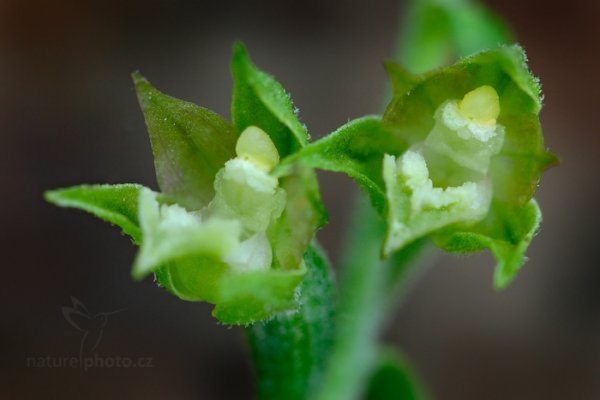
369 288
289 351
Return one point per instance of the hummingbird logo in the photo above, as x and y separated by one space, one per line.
91 325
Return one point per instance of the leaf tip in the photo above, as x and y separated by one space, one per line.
239 47
551 160
58 197
402 79
143 87
52 196
137 272
138 78
239 54
503 279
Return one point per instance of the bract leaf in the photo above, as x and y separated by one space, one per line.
356 149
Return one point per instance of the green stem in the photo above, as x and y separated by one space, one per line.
290 351
368 290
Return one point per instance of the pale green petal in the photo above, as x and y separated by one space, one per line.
171 233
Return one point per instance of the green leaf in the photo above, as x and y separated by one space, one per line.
116 204
259 100
355 149
290 350
190 144
437 31
507 231
394 378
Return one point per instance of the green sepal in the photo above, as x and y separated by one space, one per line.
401 78
437 30
192 278
190 144
507 231
517 170
255 296
259 100
356 149
394 378
117 204
239 298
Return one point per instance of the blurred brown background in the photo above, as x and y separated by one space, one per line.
68 115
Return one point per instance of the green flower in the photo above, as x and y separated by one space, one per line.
457 157
224 229
474 157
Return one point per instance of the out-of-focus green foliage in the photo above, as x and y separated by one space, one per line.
393 378
435 32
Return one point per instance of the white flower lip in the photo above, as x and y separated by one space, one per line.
253 254
413 169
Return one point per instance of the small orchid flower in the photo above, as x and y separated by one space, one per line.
224 229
